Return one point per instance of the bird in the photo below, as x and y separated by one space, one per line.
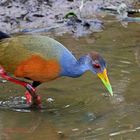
40 59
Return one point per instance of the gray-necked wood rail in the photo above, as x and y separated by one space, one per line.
42 59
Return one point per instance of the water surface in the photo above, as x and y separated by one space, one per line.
82 109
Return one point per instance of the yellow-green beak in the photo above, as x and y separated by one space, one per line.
103 76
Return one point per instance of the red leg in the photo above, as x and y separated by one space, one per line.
30 95
30 99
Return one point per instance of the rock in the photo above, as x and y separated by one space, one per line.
20 14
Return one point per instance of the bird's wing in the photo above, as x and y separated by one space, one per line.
43 45
32 51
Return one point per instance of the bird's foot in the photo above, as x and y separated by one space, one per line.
34 101
28 97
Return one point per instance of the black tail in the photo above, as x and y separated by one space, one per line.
3 35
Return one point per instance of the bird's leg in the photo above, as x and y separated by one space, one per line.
36 101
29 97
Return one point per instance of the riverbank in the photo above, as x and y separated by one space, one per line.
17 15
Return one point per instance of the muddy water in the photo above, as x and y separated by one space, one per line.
81 109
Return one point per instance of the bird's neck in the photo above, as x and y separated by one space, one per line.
76 68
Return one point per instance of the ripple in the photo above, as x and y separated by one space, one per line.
19 104
15 102
121 85
117 99
125 62
122 132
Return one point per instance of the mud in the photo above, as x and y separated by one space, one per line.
28 15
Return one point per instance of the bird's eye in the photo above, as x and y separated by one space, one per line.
97 66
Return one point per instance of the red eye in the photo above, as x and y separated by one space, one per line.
97 66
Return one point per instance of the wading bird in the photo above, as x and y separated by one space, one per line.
42 59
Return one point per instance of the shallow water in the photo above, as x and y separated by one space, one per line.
82 109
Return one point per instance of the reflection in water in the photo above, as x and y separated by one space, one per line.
32 127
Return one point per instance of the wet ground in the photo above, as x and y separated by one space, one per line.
81 109
26 15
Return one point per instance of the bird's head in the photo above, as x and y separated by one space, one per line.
97 65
